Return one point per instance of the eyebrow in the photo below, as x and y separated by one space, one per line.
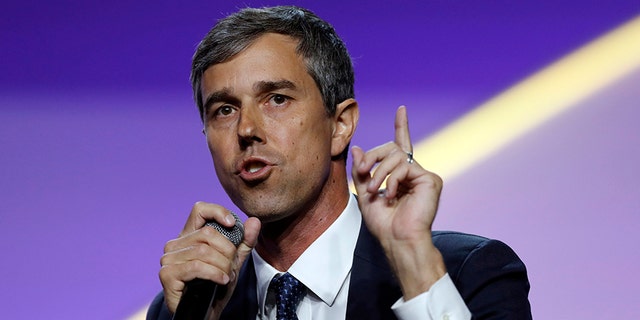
266 86
218 96
225 94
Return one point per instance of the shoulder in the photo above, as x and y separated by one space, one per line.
458 248
453 240
488 274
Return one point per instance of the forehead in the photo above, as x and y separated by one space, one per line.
271 57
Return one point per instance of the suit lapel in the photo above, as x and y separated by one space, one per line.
244 301
373 288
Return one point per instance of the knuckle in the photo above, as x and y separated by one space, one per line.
165 274
201 250
435 181
164 260
208 231
193 267
169 246
198 206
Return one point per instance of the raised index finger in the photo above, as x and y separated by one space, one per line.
402 138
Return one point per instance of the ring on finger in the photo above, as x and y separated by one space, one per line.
410 157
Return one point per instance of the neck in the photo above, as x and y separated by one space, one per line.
282 242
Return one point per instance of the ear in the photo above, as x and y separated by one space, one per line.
344 125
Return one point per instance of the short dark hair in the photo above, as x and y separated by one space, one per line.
324 53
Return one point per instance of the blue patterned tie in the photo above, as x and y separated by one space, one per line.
289 292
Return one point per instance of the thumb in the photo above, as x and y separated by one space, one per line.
251 231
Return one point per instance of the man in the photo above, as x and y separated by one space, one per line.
274 87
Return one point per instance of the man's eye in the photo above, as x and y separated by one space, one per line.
279 99
224 111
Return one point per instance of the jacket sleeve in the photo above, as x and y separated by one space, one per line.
158 309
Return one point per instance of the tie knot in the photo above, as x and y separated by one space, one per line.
289 292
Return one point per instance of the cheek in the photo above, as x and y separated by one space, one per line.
219 150
311 142
306 135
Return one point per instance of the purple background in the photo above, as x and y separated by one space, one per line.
102 156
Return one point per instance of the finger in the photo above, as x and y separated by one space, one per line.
360 170
402 138
392 162
207 236
203 212
395 178
201 253
175 276
172 288
375 155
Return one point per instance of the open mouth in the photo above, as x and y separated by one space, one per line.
253 170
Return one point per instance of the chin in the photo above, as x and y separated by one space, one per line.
271 210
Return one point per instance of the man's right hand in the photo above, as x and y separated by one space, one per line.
206 254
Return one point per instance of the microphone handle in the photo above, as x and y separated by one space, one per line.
196 300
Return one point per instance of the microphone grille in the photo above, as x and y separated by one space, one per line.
234 234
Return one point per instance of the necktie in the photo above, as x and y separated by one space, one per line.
289 292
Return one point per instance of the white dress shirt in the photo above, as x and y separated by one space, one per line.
325 269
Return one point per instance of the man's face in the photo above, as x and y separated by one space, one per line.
267 129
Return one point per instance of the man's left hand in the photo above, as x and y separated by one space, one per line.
401 215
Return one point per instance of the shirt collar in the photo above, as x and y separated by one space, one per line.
331 255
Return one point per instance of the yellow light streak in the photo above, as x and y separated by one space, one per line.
520 109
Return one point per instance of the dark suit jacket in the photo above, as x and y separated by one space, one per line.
490 277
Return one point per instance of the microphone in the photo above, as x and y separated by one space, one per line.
199 294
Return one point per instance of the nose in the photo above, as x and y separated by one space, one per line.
250 126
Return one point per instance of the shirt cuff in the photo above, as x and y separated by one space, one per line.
441 302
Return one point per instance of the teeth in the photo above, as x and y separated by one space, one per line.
254 167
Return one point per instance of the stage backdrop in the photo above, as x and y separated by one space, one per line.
101 154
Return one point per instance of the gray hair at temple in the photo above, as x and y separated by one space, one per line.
326 57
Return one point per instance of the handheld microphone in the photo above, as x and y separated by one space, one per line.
198 295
